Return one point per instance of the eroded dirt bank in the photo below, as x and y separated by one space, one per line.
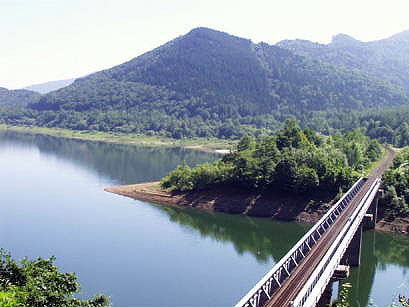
239 201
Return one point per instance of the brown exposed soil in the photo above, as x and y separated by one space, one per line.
232 200
386 223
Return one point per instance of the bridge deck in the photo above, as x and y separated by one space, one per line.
289 290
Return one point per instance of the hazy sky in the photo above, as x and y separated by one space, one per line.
45 40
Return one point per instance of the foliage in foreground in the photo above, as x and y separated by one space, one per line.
293 161
342 300
396 183
39 283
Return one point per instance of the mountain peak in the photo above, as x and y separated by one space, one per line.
344 39
206 32
202 30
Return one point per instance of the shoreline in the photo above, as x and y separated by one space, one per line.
235 201
207 145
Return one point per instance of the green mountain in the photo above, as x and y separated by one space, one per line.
17 98
386 59
209 83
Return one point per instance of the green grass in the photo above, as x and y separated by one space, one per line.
122 138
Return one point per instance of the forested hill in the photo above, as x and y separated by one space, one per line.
209 83
17 98
384 59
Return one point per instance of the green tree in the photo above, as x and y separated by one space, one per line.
39 283
291 136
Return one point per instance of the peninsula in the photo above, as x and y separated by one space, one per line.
296 175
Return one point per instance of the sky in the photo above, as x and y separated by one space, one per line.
46 40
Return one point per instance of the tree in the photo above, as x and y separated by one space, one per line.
39 283
404 135
246 143
291 136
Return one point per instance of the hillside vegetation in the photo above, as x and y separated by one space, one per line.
386 59
387 126
17 98
396 182
208 84
294 161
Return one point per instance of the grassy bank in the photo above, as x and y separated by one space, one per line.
204 144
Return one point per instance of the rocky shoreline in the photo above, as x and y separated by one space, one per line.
237 201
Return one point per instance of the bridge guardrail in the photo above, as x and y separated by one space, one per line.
321 276
273 280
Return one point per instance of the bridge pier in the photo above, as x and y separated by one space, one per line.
352 255
372 213
326 296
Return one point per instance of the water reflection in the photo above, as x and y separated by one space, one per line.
123 164
392 249
268 240
263 238
380 252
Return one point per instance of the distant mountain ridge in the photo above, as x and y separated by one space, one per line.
209 83
386 59
44 88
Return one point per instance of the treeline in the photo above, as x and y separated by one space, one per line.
293 161
389 126
151 123
396 182
39 283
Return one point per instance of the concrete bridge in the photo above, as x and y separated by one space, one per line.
302 276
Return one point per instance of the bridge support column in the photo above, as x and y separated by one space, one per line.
372 213
352 255
326 296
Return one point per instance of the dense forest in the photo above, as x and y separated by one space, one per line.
17 98
39 283
209 84
293 161
386 59
396 183
387 126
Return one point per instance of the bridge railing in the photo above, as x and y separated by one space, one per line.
317 282
273 280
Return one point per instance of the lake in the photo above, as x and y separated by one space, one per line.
142 254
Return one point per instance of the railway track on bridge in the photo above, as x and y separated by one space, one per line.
285 294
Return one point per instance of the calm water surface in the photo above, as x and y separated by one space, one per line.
140 254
